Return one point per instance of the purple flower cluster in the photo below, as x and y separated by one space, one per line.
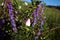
38 33
42 21
36 37
1 22
10 9
37 14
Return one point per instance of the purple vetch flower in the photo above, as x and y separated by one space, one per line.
36 14
36 11
34 22
2 33
1 22
34 18
41 23
42 5
36 37
38 8
38 32
10 9
15 30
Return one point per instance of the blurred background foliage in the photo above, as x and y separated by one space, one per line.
51 27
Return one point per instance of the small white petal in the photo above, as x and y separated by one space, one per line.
44 17
16 12
19 7
28 22
26 3
2 4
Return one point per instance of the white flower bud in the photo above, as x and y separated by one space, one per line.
2 4
26 3
19 7
28 22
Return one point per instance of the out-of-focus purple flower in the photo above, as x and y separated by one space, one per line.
36 13
2 22
34 20
38 32
10 9
36 37
41 23
38 8
42 7
15 30
2 33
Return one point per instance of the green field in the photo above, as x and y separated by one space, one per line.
53 15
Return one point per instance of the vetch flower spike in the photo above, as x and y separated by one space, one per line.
38 32
10 9
36 37
36 14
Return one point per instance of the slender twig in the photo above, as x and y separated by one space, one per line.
50 30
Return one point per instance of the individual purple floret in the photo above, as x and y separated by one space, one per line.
1 22
41 23
36 37
38 32
37 13
34 18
